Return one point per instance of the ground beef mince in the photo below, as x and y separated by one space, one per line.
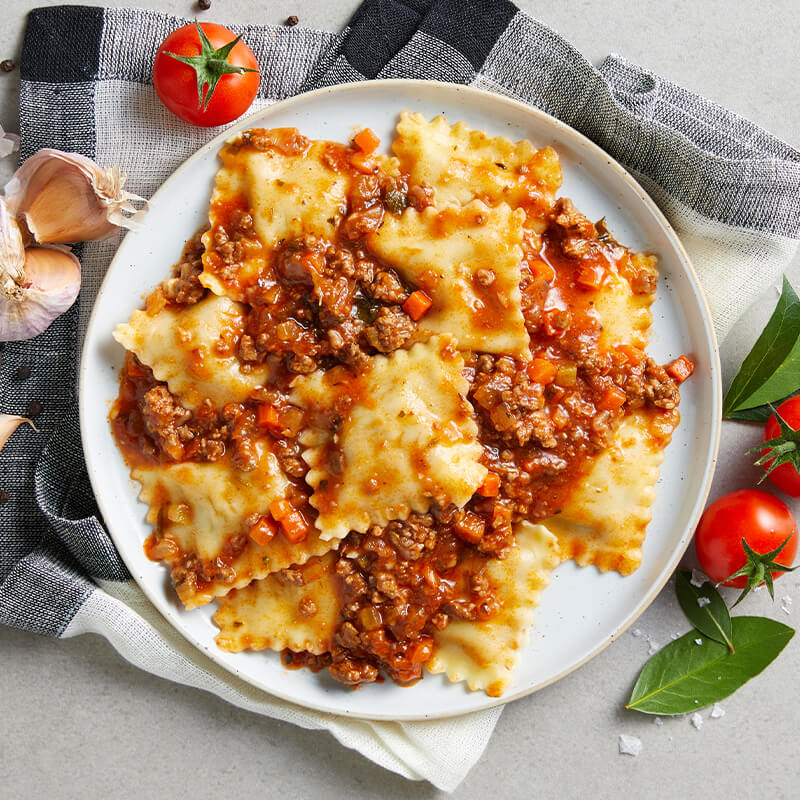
184 287
399 585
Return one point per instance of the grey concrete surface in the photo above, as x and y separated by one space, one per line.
78 721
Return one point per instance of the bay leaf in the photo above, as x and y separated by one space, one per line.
704 608
759 413
771 370
684 676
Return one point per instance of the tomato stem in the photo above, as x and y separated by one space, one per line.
210 66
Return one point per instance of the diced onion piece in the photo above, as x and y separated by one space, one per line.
567 375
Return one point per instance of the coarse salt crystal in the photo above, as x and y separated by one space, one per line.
696 720
653 648
703 601
717 711
698 578
636 633
658 721
629 745
674 636
786 604
698 641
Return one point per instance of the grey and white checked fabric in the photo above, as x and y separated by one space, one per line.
730 189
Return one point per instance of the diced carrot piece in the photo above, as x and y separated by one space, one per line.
541 269
421 651
633 354
364 162
470 527
366 140
590 277
490 486
540 370
612 399
267 417
262 531
280 509
681 368
417 305
294 527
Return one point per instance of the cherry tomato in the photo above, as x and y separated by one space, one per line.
761 519
785 476
176 82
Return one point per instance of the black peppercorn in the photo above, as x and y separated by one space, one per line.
204 4
7 65
22 373
4 496
292 21
33 409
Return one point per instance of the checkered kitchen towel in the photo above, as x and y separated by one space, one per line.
731 190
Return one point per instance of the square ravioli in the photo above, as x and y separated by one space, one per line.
398 437
192 349
467 260
273 185
200 513
462 164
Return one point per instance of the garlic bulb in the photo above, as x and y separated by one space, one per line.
8 424
66 197
36 285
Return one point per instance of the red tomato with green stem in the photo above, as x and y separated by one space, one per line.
204 74
746 538
781 456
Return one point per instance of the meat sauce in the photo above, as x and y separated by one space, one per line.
318 303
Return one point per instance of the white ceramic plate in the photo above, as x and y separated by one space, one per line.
582 611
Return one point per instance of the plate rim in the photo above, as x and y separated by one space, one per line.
104 504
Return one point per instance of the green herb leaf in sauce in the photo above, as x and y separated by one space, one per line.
367 310
704 608
694 671
771 370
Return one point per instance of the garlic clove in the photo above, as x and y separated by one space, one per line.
66 197
8 424
50 283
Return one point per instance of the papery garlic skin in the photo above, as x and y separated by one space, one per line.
66 197
12 251
8 424
36 285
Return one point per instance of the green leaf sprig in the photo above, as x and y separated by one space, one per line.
771 370
210 65
710 662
